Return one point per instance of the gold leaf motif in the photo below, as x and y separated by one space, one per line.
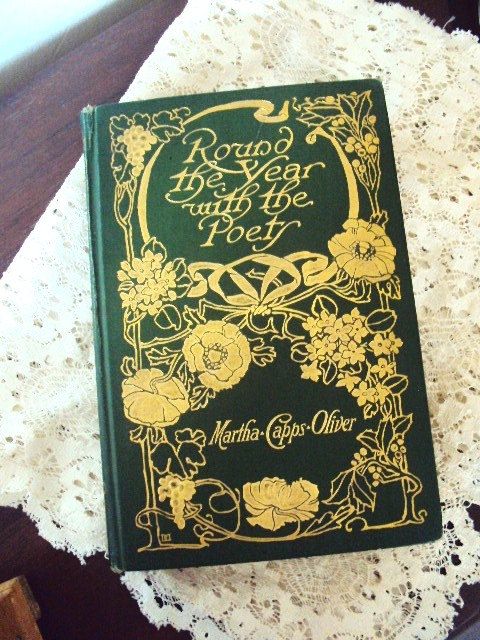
128 366
324 303
168 317
262 354
390 288
352 487
163 356
402 424
396 383
329 371
200 396
313 270
190 445
370 439
381 320
168 124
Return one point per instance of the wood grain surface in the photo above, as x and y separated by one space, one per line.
87 601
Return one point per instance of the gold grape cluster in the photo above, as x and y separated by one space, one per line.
178 491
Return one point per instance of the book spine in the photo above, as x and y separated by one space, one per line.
88 120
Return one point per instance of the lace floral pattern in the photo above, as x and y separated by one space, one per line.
49 449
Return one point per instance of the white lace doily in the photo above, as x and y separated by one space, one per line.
49 448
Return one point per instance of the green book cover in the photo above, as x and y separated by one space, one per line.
260 381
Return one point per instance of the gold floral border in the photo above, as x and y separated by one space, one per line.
208 346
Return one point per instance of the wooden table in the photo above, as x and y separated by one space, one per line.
39 144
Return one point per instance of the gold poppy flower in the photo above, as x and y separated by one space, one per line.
363 250
148 399
219 352
274 503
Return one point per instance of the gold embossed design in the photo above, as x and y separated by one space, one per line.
218 352
148 283
138 141
231 317
364 250
178 491
149 399
273 503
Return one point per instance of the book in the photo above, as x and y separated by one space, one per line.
260 384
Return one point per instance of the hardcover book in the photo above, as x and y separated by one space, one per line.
260 383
